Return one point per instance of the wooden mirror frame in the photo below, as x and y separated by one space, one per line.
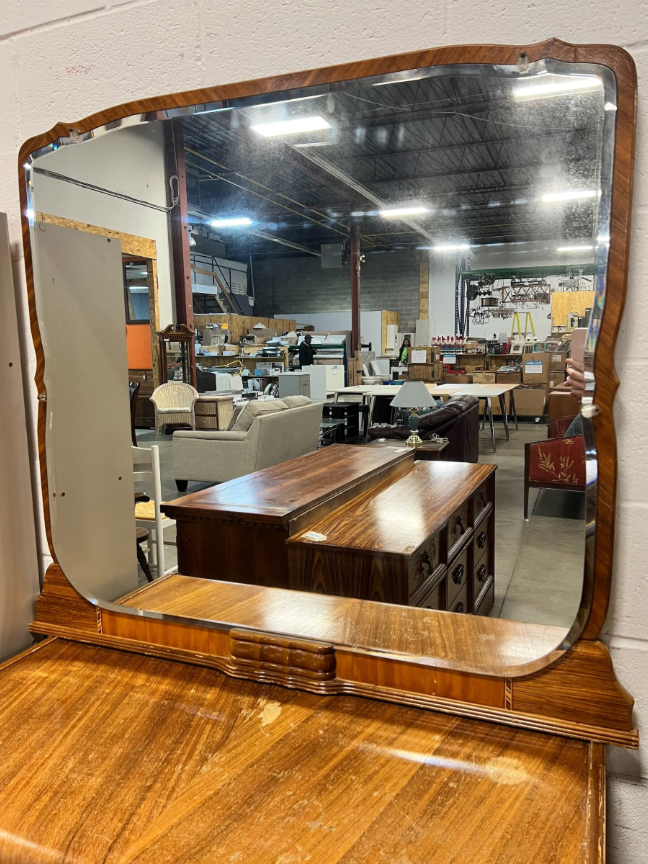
575 677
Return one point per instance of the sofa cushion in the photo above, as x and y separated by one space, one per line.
235 415
296 401
254 409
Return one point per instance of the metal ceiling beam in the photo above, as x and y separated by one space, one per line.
465 173
447 148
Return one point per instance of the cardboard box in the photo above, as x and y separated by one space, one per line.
557 362
484 377
449 378
561 404
556 379
535 368
530 401
425 371
509 378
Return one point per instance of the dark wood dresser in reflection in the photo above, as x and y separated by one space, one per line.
363 522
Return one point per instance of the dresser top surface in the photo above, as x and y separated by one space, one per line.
462 641
118 758
402 513
286 490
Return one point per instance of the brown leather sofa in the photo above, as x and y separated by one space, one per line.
458 421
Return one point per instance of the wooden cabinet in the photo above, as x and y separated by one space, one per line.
364 522
116 757
213 412
237 531
144 410
416 541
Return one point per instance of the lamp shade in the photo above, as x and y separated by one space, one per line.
413 394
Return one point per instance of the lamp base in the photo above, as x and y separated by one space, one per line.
413 440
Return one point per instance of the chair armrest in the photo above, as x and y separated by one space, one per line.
209 435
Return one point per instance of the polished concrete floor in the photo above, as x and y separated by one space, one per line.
538 563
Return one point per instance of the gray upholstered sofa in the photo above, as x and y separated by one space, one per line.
262 435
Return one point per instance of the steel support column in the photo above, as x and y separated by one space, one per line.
355 288
179 230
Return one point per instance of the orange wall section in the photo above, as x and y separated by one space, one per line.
138 346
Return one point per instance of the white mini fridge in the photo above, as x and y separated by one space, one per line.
334 377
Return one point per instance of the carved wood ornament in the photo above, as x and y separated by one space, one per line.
572 689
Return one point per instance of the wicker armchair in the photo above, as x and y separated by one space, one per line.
174 405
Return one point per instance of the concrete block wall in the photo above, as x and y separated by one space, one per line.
61 60
389 280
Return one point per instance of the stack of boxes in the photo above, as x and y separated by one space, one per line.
424 364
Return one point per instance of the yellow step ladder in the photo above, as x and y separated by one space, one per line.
528 326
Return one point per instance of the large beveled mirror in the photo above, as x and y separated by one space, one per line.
348 333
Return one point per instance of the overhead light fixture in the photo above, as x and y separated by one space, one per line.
571 194
457 247
235 222
403 211
287 101
315 144
291 127
574 248
357 213
399 81
555 85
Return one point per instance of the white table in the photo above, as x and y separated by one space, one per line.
487 392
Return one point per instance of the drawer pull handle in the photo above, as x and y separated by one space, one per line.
481 573
460 524
457 574
481 540
459 607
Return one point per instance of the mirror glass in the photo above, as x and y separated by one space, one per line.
467 207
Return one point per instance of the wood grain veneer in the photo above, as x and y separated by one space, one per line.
310 485
122 758
238 530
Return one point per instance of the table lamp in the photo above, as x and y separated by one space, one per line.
413 395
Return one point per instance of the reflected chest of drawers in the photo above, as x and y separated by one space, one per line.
425 538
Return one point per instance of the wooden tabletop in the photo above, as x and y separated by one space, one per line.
116 758
399 516
481 391
280 493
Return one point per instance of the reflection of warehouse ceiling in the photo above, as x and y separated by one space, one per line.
462 146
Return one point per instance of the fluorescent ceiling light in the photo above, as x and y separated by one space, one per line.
403 211
556 84
235 222
315 144
571 194
574 248
458 247
291 127
399 81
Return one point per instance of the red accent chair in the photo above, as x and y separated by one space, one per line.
557 463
